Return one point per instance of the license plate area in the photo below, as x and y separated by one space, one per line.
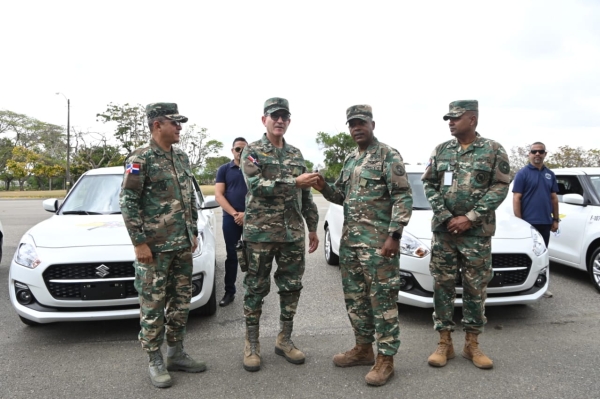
99 291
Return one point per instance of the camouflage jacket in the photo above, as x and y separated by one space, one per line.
377 199
158 200
274 205
479 183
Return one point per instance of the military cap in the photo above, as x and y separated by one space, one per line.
275 104
364 112
168 110
459 107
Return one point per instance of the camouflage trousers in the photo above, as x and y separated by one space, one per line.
371 283
165 291
473 257
290 257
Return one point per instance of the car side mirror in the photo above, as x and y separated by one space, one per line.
575 199
210 202
50 205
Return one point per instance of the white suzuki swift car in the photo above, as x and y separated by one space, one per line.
519 256
78 264
577 242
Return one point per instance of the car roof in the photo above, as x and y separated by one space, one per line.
113 170
414 168
577 171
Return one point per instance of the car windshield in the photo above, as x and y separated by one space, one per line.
93 195
595 179
418 193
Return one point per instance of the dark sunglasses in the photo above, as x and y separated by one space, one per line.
238 149
538 152
285 116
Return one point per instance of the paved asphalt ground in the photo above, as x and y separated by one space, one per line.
546 350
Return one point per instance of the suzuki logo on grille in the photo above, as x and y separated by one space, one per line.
102 271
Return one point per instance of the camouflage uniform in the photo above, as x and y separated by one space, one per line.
480 178
273 225
377 199
159 208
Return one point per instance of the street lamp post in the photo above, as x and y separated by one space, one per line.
68 177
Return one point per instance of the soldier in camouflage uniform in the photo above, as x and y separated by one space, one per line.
278 198
377 199
160 212
466 179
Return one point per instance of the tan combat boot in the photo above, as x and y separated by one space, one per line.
444 351
284 345
252 349
472 352
156 368
360 355
382 371
178 360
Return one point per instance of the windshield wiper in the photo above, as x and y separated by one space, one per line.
115 213
420 208
81 213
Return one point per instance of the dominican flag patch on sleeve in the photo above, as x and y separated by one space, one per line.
253 160
133 168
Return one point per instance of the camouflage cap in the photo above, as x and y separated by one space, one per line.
276 103
168 110
364 112
459 107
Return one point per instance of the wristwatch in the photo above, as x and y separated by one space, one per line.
395 235
556 220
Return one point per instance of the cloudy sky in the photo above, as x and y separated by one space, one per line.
533 65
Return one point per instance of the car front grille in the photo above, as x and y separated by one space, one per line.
119 273
503 277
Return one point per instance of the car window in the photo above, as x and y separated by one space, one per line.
596 183
569 185
418 192
95 194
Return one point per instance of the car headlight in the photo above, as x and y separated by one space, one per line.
539 247
198 250
26 254
411 246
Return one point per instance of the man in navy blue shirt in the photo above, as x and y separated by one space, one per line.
230 193
534 195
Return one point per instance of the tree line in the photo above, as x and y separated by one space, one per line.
33 152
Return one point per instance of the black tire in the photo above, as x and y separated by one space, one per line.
330 257
211 306
30 323
594 268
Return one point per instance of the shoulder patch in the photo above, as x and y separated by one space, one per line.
504 167
398 169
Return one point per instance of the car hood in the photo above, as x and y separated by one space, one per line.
63 231
508 226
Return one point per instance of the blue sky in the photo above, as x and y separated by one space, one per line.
533 65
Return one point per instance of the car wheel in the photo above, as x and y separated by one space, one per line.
330 257
594 268
29 322
211 307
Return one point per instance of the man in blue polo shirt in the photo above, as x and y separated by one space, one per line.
534 195
230 193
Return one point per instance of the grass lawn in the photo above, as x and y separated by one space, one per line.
206 190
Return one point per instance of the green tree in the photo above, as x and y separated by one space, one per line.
309 165
209 171
336 147
22 164
519 157
569 157
131 124
6 147
195 142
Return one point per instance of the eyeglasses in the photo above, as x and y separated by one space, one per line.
285 116
542 152
238 149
